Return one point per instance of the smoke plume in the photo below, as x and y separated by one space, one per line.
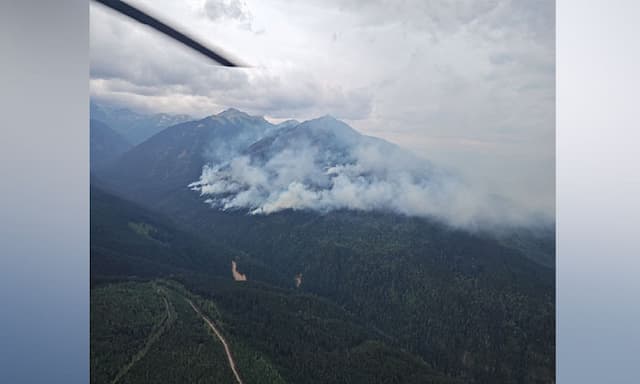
325 165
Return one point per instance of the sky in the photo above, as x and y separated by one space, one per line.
466 84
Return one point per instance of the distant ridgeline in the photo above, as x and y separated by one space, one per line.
134 127
254 222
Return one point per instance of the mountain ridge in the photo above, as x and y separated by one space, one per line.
134 126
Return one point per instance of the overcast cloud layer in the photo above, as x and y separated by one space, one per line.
466 84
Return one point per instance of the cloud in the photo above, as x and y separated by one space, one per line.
168 76
235 10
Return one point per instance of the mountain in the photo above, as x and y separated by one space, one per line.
322 210
145 270
225 149
172 159
166 161
323 164
105 144
135 127
333 137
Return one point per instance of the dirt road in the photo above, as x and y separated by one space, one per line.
232 363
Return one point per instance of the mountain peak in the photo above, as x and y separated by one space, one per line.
232 112
237 116
327 117
329 124
327 120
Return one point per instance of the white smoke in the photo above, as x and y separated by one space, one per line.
369 175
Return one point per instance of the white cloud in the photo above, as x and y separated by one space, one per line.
223 9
